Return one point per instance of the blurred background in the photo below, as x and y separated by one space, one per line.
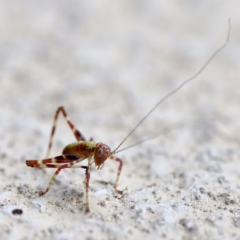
111 61
108 62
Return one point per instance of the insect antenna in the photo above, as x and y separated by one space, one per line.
163 131
177 88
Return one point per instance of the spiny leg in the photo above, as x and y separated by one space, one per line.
118 173
79 136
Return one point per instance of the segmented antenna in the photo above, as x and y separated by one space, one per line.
179 87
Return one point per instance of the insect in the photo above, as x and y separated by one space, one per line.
96 153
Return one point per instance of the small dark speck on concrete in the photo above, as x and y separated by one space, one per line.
17 211
202 190
236 221
197 197
188 225
224 195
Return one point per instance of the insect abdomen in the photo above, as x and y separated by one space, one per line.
82 148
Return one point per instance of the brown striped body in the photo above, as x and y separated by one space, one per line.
82 149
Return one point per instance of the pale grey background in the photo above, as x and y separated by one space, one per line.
108 63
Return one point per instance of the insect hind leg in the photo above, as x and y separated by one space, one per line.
79 136
52 162
59 168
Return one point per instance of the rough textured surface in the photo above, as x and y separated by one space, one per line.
108 63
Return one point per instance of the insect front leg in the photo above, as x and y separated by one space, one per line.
79 136
118 173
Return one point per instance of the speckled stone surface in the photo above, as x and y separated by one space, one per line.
108 63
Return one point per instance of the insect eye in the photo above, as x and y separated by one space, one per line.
99 152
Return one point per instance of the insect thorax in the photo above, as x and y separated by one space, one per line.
83 149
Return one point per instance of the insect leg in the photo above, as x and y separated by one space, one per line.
87 184
118 173
60 160
67 165
79 136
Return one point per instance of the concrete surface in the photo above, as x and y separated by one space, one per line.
108 63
